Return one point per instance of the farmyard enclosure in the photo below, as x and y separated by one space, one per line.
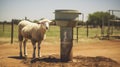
59 33
89 52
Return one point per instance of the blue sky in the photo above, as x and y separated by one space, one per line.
36 9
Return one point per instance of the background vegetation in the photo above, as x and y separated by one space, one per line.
95 25
54 32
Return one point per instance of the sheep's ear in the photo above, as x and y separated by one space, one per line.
40 22
46 22
50 21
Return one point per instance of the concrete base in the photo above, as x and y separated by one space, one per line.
66 35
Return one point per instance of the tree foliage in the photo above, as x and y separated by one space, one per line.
97 18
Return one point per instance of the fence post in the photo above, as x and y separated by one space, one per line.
87 28
77 33
3 26
12 30
102 28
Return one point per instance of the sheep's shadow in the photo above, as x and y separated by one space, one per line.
78 61
50 59
16 57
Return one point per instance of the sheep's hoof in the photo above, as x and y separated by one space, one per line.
39 56
25 56
21 56
33 60
34 56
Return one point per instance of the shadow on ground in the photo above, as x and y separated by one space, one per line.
78 61
48 59
17 57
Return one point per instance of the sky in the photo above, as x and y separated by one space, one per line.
36 9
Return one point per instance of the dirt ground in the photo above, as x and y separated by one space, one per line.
86 53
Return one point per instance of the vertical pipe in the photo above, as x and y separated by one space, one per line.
108 31
82 17
112 25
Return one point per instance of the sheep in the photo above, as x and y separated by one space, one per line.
33 31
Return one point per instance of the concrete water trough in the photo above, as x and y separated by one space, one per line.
66 19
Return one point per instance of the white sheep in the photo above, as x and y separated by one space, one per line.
33 31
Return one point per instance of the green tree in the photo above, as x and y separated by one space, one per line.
97 18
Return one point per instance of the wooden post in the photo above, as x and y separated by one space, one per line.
25 18
77 33
87 28
112 28
3 26
66 35
108 31
12 30
102 28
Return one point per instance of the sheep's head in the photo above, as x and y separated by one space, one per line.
45 22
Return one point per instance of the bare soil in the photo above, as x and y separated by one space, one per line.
86 53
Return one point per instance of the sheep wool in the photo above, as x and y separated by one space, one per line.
33 31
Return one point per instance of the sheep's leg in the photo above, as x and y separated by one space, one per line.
25 48
39 49
20 45
20 38
34 49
